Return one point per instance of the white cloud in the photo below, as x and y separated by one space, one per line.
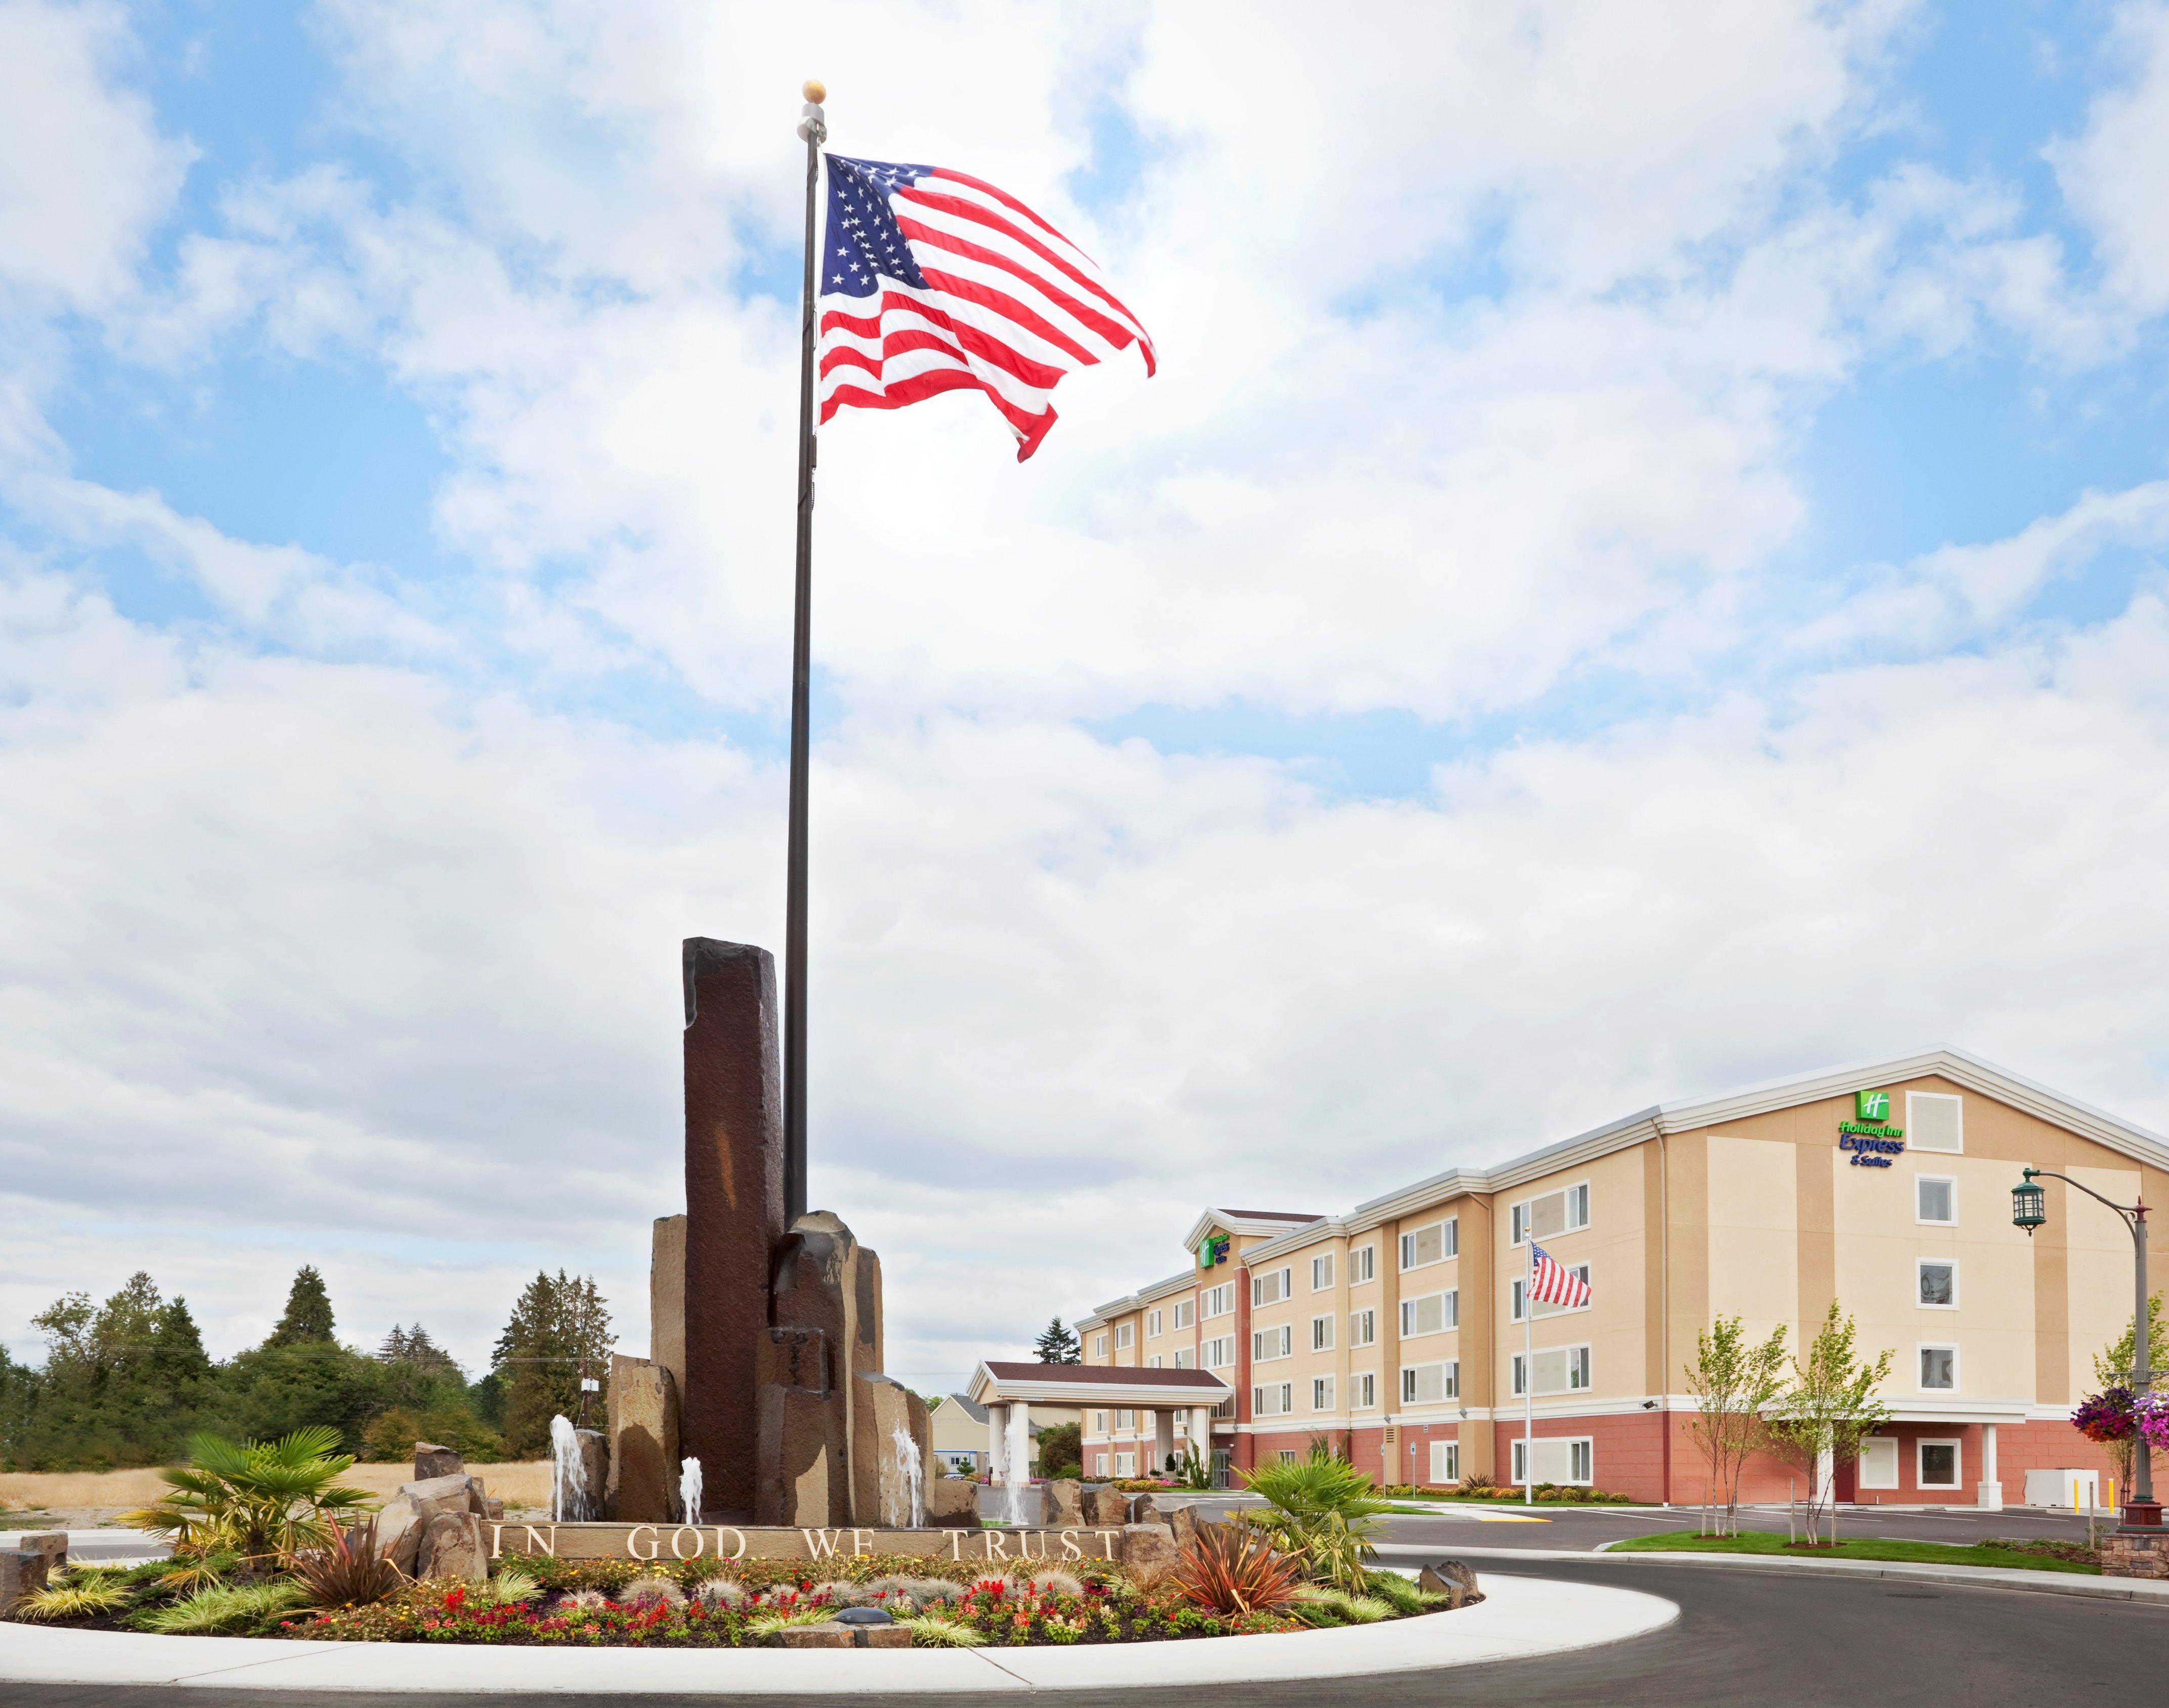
2112 172
85 174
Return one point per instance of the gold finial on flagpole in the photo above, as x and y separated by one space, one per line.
816 91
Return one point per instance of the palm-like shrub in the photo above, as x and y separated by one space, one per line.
262 1501
223 1609
1235 1573
1322 1511
349 1570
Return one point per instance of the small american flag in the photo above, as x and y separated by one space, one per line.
932 281
1551 1283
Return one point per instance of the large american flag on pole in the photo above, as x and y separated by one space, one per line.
932 281
1551 1283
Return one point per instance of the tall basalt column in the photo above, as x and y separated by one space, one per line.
733 1207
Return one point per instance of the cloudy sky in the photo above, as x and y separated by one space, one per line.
1641 570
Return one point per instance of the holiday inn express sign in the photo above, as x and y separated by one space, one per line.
1869 1135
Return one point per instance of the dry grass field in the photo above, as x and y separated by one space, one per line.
91 1496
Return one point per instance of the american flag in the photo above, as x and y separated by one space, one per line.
1551 1283
931 281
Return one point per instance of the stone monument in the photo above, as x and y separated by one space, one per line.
765 1349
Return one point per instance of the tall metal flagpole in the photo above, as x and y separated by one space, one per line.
813 128
1528 1373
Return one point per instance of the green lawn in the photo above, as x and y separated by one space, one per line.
1913 1553
1404 1505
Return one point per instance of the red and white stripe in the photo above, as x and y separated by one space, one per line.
1012 305
1551 1283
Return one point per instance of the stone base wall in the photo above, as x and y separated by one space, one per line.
666 1542
2136 1554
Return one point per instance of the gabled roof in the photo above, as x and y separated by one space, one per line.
1265 1221
1096 1384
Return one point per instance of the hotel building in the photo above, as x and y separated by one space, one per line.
1397 1329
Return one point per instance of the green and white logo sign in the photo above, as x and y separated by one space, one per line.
1871 1105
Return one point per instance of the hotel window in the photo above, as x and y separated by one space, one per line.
1287 1457
1559 1461
1123 1335
1099 1422
1362 1264
1434 1313
1126 1420
1102 1459
1936 1200
1321 1393
1939 1370
1273 1343
1221 1300
1544 1307
1098 1346
1126 1465
1939 1460
1878 1462
1937 1283
1185 1312
1431 1245
1321 1272
1153 1321
1565 1211
1559 1369
1154 1362
1445 1462
1182 1361
1362 1391
1934 1122
1427 1384
1271 1400
1321 1334
1220 1352
1272 1287
1362 1327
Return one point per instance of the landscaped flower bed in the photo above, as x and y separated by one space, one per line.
706 1604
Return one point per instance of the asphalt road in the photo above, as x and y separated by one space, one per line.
1771 1640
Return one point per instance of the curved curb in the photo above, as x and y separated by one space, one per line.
1519 1619
2140 1590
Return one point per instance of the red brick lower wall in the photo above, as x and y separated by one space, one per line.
1630 1457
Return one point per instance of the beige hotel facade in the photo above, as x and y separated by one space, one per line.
1396 1329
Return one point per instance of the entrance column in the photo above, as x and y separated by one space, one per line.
1163 1441
1020 1457
1990 1494
998 1424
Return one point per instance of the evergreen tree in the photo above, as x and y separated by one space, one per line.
558 1322
308 1312
1058 1345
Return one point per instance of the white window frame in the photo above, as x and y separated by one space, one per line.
1950 1263
1126 1465
1362 1264
1099 1426
1100 1345
1321 1393
1862 1480
1449 1243
1580 1359
1949 1180
1363 1390
1445 1463
1155 1362
1186 1313
1587 1454
1219 1302
1182 1358
1223 1344
1284 1392
1284 1277
1920 1347
1321 1272
1321 1333
1449 1312
1363 1328
1125 1418
1921 1445
1125 1335
1267 1344
1154 1324
1577 1200
1103 1464
1449 1382
1913 1125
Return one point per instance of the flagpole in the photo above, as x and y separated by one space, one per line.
1528 1373
814 130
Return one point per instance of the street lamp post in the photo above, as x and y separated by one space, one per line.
2029 1211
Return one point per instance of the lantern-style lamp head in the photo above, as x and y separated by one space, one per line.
2029 1208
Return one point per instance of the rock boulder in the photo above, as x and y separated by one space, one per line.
52 1544
452 1546
1183 1520
953 1502
1452 1579
21 1572
399 1526
1065 1504
643 1463
432 1460
440 1494
1144 1511
1105 1509
1147 1547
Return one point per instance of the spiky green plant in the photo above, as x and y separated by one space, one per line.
931 1630
263 1501
507 1589
770 1620
1235 1572
349 1570
75 1595
1402 1594
1322 1511
232 1609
